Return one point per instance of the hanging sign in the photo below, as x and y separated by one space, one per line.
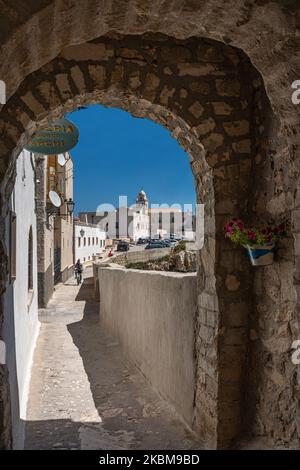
57 137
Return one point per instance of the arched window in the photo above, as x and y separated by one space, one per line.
30 260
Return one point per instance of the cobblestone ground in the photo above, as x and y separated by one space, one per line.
84 394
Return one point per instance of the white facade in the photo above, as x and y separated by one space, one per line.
89 241
21 323
168 221
139 226
123 223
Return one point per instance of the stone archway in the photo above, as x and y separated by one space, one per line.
237 155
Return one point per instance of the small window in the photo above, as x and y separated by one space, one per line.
89 241
79 241
30 260
84 241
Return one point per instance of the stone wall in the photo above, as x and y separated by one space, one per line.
45 286
67 273
143 255
152 316
271 382
45 244
203 91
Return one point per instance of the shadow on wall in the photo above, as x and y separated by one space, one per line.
132 413
12 412
118 392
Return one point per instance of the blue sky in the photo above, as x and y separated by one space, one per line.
118 155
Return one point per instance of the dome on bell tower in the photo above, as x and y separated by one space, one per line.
142 199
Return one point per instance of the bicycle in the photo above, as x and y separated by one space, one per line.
78 276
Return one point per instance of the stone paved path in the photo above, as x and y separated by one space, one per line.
84 394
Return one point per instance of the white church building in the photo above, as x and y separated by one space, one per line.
124 222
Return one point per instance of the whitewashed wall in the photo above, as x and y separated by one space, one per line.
21 323
154 326
140 225
85 252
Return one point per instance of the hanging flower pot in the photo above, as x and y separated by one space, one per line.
261 255
259 242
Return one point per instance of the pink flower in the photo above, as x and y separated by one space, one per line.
252 235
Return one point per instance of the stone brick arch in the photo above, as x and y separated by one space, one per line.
202 92
265 30
44 79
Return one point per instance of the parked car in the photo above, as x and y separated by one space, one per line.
152 246
170 242
175 237
157 244
141 241
122 246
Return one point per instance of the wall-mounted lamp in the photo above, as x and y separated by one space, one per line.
70 206
82 232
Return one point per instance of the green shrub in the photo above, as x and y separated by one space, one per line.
137 265
181 246
159 260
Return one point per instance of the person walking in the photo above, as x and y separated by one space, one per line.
78 271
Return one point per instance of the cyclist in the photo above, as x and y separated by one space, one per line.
78 271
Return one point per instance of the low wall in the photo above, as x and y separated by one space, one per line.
143 255
120 258
152 316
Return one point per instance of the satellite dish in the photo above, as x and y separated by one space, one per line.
61 159
54 199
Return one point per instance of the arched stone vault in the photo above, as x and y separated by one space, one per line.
250 166
266 30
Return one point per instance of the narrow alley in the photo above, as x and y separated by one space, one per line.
84 394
